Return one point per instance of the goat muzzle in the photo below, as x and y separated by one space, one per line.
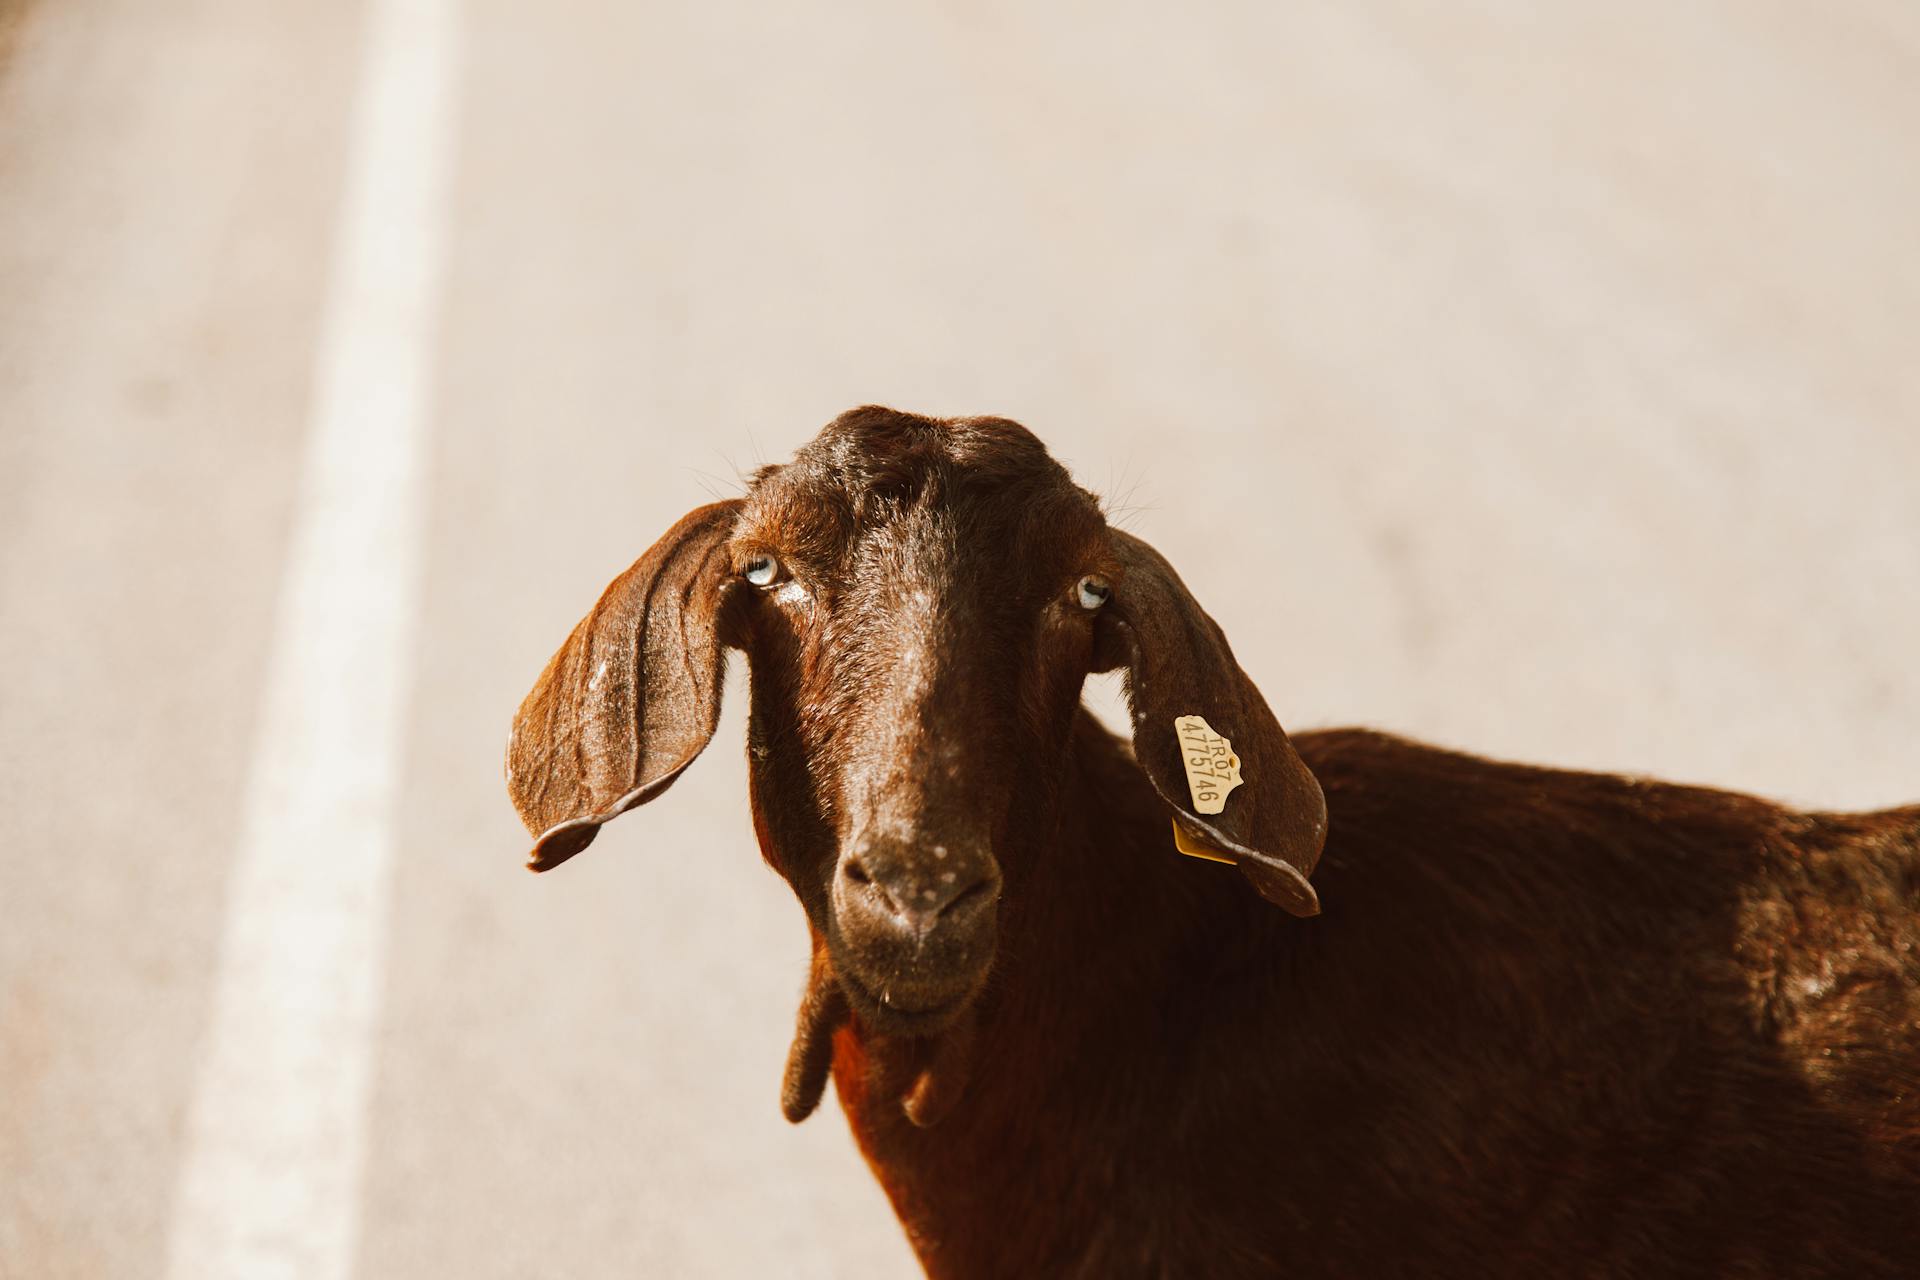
914 926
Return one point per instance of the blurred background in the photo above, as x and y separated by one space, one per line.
1539 380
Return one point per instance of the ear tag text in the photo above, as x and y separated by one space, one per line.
1213 769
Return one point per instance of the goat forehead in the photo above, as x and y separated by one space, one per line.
876 448
930 578
871 463
971 536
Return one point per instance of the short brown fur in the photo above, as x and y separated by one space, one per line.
1548 1023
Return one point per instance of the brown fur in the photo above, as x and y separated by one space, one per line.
1547 1023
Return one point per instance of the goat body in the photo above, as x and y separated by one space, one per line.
1549 1023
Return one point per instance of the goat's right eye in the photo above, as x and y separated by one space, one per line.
761 570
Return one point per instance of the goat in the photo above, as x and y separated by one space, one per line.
1550 1023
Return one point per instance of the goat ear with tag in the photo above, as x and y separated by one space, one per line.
1206 738
632 697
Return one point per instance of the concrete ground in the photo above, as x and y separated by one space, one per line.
1539 380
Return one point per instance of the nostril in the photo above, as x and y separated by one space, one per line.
862 880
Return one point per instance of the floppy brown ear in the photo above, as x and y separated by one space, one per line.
1274 822
633 695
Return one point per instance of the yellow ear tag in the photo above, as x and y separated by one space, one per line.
1193 849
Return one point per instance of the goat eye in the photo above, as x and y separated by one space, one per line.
1093 591
761 570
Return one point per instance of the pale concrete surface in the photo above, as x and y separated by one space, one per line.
1541 381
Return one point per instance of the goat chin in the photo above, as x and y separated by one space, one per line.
927 1072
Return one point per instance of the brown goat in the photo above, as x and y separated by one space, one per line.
1549 1023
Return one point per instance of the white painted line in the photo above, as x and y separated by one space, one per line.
270 1181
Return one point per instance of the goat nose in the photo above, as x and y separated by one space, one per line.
919 897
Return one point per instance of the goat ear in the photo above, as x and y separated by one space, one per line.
632 697
1178 665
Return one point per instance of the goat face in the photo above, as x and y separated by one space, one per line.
920 602
914 603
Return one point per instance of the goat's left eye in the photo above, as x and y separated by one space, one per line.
1093 591
761 570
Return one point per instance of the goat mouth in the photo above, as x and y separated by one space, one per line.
898 1013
